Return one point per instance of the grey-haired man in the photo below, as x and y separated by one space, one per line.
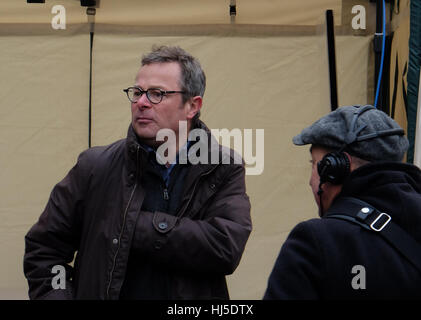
363 190
143 228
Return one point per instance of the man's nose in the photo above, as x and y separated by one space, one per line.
143 102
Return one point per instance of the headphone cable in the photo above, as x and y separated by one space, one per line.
319 193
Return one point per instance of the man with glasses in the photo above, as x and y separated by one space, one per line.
144 228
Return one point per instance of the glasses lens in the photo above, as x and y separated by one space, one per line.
133 94
154 95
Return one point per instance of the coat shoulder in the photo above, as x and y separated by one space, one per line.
100 154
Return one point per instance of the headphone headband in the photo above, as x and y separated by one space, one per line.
352 135
383 133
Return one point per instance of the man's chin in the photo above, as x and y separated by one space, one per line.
144 131
148 139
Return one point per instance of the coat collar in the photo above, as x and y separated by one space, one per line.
133 146
391 187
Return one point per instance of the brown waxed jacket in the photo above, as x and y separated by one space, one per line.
95 209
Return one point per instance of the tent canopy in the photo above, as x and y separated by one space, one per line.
265 70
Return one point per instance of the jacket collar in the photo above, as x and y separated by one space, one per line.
136 155
135 152
391 187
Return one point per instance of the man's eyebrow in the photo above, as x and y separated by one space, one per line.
151 87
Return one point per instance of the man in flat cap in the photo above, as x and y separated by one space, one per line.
367 244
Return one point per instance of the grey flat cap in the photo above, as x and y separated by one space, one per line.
366 132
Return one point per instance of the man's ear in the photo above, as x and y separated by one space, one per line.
194 106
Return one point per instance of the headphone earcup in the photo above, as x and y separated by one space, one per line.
334 168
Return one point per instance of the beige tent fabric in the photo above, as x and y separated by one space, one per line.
20 12
180 12
274 12
43 127
258 77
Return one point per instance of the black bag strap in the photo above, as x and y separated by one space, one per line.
368 217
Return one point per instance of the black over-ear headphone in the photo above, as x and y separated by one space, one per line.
335 166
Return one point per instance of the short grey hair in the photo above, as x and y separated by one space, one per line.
193 79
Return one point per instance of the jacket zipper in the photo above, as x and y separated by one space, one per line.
194 189
166 195
188 202
122 228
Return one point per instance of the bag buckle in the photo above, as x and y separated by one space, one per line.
380 227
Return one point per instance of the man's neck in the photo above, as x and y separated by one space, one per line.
165 154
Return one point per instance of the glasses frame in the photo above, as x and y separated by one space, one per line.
142 92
